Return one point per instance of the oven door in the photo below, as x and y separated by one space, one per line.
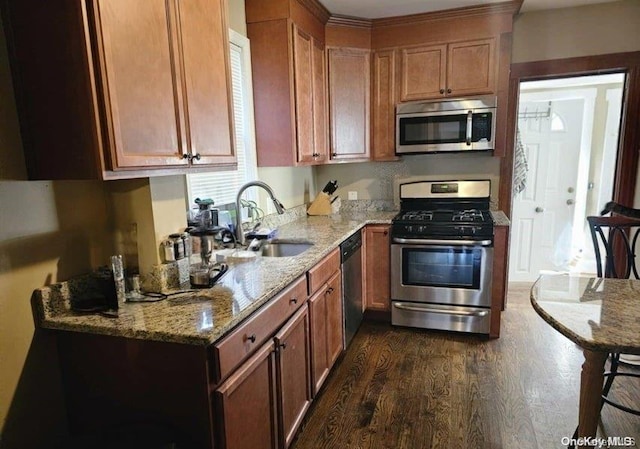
452 272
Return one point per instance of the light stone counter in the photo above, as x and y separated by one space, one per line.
499 218
597 314
204 316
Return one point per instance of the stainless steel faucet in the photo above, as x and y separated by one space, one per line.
279 207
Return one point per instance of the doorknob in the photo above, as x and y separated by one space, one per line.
569 202
539 209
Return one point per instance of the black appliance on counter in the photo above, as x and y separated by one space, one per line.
442 256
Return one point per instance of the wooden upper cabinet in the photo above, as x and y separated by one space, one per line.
142 98
133 87
471 67
448 70
383 106
423 72
320 116
207 81
309 75
290 87
349 102
165 73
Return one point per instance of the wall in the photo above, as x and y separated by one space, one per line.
582 31
379 180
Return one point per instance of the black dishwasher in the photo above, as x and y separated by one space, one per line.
351 259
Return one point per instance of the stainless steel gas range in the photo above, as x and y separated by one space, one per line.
442 256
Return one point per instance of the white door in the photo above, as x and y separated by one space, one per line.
543 213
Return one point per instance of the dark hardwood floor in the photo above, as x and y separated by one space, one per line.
402 388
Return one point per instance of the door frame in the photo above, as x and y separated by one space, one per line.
629 140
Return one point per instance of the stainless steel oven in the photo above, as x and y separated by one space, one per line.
442 256
442 284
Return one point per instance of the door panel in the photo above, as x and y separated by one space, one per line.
207 80
142 95
423 72
304 94
293 358
471 67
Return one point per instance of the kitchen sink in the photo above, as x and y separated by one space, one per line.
285 248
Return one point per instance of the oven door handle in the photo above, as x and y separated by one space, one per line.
477 313
443 242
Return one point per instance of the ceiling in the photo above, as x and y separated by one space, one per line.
373 9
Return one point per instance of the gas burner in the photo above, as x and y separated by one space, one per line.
468 215
418 215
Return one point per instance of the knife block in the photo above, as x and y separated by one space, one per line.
321 205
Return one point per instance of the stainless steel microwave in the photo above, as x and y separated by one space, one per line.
446 125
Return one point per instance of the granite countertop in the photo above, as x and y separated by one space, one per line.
204 316
597 314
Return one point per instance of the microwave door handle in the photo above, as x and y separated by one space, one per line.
469 126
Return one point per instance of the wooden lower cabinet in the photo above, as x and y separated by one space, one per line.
293 376
264 401
249 396
325 311
377 268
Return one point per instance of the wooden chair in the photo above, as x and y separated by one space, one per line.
618 236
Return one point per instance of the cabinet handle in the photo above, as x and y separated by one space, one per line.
197 156
330 289
441 91
252 338
283 346
334 154
293 301
448 91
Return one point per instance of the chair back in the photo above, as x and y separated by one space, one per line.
618 236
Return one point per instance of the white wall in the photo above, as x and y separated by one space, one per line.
571 32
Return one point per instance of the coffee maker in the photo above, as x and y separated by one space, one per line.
207 236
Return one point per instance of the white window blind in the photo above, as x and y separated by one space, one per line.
222 186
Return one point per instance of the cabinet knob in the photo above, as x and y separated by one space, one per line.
293 301
448 91
252 338
185 156
441 91
334 154
283 346
197 156
385 233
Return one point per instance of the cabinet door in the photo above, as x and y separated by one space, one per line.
320 119
205 49
318 329
471 67
377 274
349 90
139 53
383 140
302 69
423 72
248 396
335 329
293 360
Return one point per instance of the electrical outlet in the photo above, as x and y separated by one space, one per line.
353 195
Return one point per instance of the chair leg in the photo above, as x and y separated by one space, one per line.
615 360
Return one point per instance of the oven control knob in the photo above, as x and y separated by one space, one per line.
409 228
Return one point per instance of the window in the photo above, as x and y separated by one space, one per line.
222 186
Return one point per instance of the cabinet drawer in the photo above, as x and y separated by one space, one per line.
251 334
321 273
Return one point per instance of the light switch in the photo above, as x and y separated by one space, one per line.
353 195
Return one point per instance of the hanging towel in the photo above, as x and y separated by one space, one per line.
520 166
